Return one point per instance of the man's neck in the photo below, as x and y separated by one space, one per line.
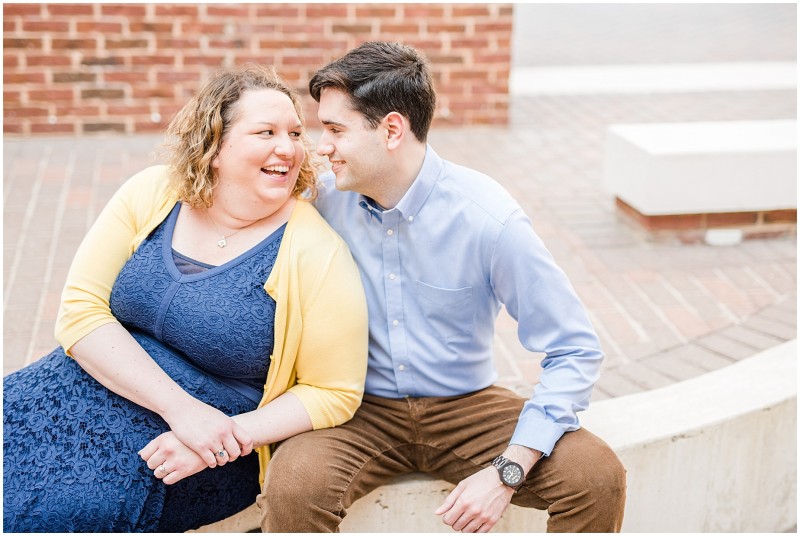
407 163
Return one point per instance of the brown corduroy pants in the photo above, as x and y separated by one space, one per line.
314 477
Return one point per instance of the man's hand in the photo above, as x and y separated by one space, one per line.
477 502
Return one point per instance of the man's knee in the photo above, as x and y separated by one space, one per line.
607 478
594 498
301 491
581 469
603 478
595 467
303 468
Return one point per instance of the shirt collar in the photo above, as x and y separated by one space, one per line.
369 205
418 192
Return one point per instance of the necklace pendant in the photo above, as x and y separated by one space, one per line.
222 242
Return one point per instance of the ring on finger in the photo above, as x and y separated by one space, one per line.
162 469
221 453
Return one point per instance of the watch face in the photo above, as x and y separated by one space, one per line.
512 474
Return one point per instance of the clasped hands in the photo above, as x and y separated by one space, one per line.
200 437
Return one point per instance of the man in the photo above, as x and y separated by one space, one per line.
441 248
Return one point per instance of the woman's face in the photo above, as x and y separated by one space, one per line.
261 154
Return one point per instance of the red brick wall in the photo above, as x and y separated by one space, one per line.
127 68
690 227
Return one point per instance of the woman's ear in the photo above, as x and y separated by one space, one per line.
396 127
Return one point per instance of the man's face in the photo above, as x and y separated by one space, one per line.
357 153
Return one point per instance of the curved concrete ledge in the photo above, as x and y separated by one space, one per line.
716 453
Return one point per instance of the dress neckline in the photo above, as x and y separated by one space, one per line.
177 275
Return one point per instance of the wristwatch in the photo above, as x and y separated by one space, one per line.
511 473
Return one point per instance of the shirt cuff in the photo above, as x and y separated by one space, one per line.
538 434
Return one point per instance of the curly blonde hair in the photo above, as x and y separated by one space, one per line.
194 137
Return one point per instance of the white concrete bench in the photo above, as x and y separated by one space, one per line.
716 453
703 168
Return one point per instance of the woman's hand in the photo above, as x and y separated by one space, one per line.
114 358
216 438
171 460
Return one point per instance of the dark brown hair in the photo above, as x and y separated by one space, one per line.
380 78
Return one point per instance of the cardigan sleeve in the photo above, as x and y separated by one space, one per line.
331 362
103 252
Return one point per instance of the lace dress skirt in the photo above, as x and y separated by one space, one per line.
70 461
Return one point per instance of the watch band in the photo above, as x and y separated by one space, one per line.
500 461
502 464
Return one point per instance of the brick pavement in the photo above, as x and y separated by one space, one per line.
665 311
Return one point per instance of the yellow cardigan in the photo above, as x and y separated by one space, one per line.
321 333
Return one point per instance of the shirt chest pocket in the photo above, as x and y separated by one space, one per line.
448 311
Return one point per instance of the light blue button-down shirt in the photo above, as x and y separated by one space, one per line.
436 270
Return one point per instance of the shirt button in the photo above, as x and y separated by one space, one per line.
390 232
411 218
401 368
395 322
391 276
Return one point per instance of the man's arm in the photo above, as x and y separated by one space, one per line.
551 320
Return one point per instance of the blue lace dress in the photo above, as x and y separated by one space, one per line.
70 460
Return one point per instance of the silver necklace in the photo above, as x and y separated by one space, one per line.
222 242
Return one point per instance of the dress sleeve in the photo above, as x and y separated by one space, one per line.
332 357
101 255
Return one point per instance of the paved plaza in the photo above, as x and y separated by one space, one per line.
665 311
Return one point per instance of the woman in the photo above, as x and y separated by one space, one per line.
209 311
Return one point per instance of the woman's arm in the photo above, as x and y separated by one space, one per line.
114 358
89 332
331 362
